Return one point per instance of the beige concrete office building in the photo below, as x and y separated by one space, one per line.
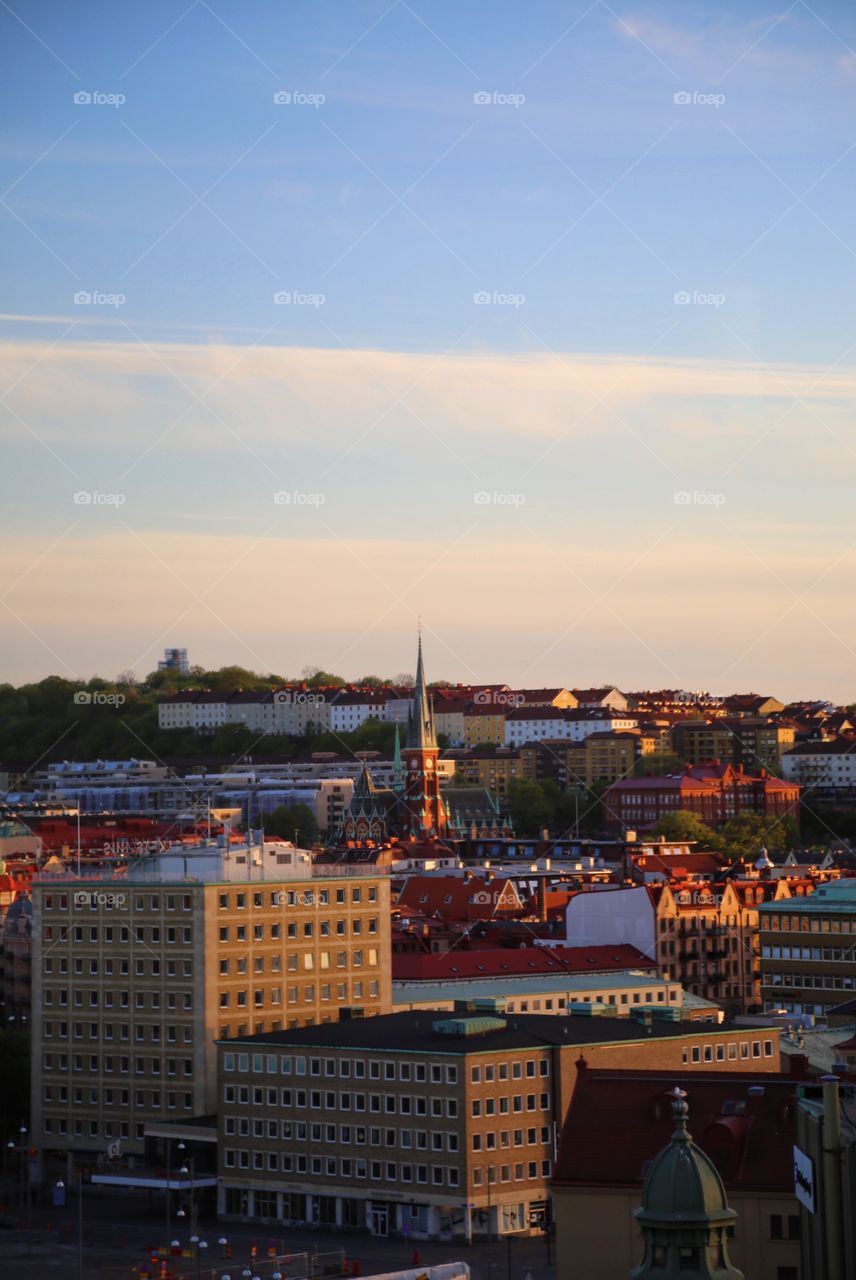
134 979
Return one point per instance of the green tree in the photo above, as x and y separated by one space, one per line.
745 835
684 825
658 764
320 679
290 820
15 1074
530 807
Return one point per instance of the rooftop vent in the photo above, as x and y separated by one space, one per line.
468 1026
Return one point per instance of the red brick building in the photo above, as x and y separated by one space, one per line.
714 792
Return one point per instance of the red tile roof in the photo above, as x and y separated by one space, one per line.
618 1121
457 898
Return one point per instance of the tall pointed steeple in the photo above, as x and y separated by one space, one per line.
397 767
421 724
424 806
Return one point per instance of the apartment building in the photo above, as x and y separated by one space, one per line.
135 978
705 935
534 723
808 949
290 710
495 770
714 792
697 741
437 1125
351 708
485 724
825 769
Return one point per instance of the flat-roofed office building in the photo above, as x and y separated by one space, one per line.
134 979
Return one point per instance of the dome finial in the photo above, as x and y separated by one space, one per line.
680 1111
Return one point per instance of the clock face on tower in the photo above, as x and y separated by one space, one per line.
429 764
414 762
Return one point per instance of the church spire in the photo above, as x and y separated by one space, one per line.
422 716
397 769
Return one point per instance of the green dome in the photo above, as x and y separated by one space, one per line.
683 1184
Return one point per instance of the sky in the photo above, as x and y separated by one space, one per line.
536 323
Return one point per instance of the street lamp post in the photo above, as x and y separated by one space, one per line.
60 1186
23 1172
198 1245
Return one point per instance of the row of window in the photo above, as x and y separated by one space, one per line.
293 930
273 995
152 1099
109 968
343 1167
340 1134
116 1031
94 999
716 1052
509 1137
97 899
811 981
807 953
59 1125
93 1064
499 1071
808 924
490 1106
296 897
502 1173
390 1103
345 1067
94 934
108 900
153 936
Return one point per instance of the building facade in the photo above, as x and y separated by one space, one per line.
134 979
808 949
435 1124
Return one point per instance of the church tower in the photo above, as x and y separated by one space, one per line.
684 1215
424 808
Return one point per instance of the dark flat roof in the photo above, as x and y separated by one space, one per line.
414 1032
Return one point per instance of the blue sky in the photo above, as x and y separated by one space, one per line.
581 196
